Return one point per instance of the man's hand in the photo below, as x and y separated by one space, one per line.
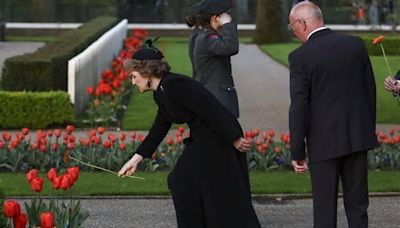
391 85
242 145
300 166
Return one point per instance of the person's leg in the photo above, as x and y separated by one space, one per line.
355 189
324 182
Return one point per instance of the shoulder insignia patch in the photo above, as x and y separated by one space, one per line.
213 36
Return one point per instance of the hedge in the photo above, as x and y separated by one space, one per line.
35 109
47 68
391 43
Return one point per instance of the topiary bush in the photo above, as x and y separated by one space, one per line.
47 68
34 109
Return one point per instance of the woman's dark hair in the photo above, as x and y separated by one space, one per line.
149 67
203 20
190 21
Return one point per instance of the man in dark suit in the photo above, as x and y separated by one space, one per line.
331 116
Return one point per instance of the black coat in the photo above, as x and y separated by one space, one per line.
333 97
210 168
212 63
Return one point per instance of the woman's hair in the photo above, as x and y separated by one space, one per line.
190 21
203 20
147 68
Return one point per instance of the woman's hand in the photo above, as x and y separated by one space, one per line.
242 145
224 18
130 166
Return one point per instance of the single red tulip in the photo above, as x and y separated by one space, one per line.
11 209
57 133
50 133
74 172
20 221
107 144
90 90
122 146
37 184
133 135
101 130
47 220
170 141
25 131
6 136
57 182
33 173
65 182
264 135
256 131
1 144
51 174
277 149
271 133
70 129
54 147
260 149
122 136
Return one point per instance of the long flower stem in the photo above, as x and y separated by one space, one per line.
103 169
387 63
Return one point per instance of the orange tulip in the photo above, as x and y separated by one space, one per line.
378 39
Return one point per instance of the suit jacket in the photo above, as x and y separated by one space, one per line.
333 97
212 63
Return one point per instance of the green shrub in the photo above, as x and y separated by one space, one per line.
34 109
47 68
390 43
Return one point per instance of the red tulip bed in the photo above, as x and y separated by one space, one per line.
109 98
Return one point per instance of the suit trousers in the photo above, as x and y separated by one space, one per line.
353 171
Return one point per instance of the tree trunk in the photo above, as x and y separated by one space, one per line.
271 22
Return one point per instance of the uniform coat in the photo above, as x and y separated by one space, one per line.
332 113
209 185
212 63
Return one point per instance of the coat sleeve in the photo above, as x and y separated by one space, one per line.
299 108
156 134
196 99
224 44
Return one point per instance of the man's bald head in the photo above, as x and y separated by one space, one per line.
304 18
308 11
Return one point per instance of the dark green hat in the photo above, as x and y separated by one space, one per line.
214 7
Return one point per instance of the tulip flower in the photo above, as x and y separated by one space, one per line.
47 220
33 173
37 184
271 133
65 182
56 182
100 130
122 146
25 131
20 221
51 174
90 90
70 129
379 40
11 209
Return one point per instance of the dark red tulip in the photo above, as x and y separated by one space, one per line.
65 182
20 221
57 133
101 130
70 129
122 146
107 144
271 133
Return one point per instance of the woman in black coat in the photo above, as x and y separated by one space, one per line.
208 185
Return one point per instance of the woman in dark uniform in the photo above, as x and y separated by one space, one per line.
191 22
207 184
215 43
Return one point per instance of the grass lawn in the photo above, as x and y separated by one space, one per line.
155 183
387 108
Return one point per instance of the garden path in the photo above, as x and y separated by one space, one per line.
159 213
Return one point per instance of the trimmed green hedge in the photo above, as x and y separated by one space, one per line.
391 44
47 68
35 110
